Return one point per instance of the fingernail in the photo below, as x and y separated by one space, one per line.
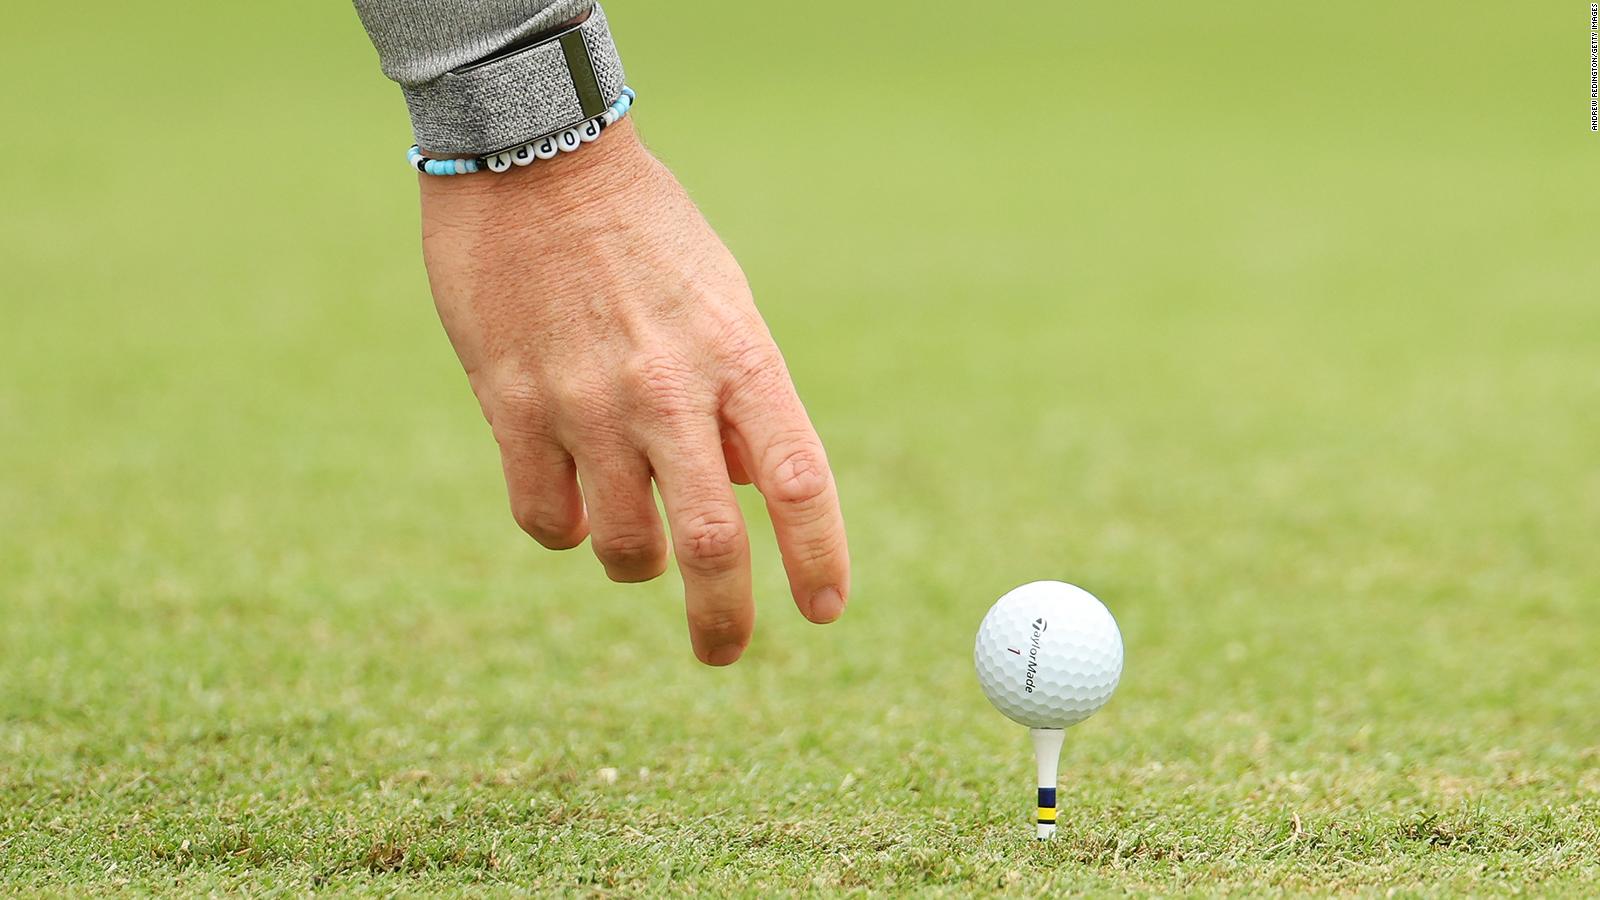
826 605
726 655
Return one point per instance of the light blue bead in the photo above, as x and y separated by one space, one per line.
472 165
434 168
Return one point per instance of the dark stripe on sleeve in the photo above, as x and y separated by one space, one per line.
1047 797
584 81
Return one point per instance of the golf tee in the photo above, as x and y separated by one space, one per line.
1047 755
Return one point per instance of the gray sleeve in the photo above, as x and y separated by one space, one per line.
521 93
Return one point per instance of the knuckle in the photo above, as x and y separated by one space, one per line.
519 400
711 544
516 434
757 366
719 626
550 530
662 381
629 550
579 396
800 473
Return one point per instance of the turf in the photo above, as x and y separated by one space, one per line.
1274 325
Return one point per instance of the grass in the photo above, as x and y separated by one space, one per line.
1275 327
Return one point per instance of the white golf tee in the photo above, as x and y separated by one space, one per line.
1047 755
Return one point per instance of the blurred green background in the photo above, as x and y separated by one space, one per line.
1274 325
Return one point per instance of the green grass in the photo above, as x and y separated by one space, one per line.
1276 327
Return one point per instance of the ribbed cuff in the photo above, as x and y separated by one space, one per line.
511 99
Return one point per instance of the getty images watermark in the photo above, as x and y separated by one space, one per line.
1594 67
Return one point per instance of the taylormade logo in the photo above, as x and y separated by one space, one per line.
1039 625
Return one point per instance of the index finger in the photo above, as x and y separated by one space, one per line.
791 470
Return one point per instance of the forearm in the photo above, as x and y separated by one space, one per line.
462 105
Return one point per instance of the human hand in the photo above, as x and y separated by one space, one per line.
611 338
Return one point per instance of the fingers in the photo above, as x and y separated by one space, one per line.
708 537
625 530
541 482
592 476
791 470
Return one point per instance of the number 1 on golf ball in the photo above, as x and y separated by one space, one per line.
1049 655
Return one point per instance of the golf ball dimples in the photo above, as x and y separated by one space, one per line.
1049 654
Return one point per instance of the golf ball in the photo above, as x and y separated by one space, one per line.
1049 654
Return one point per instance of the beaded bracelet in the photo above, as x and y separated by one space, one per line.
565 141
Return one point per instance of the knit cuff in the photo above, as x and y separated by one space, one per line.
520 96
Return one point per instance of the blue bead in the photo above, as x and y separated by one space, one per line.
433 167
472 165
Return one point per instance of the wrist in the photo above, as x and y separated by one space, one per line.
600 168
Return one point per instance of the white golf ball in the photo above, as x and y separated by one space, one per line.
1049 654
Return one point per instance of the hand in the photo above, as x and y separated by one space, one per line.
611 339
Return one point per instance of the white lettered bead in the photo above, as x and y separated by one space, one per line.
589 130
500 162
522 155
546 148
568 140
